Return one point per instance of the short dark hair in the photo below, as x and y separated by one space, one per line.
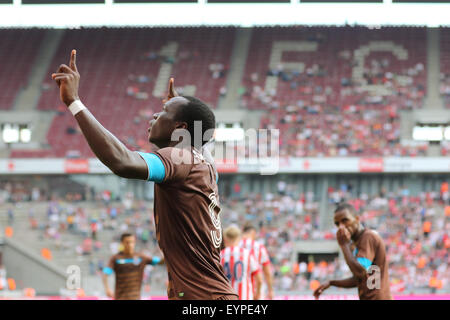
125 235
346 206
248 227
196 110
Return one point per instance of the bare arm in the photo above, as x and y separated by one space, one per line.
343 238
108 149
108 291
345 283
269 280
358 270
258 284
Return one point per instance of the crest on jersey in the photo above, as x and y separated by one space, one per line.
216 234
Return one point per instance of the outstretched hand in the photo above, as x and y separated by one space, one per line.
67 78
321 289
172 93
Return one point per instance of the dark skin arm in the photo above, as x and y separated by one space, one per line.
343 237
359 273
345 283
108 149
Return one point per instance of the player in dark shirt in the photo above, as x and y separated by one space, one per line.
128 267
186 208
365 254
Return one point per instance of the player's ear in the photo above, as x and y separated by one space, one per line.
181 125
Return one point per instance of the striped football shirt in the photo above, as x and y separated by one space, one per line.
240 266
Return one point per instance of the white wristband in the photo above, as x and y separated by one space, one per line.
76 107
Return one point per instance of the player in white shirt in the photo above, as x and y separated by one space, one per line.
260 252
240 266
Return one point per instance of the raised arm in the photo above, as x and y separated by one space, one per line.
343 238
355 267
108 149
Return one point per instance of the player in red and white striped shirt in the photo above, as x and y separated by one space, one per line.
240 266
260 252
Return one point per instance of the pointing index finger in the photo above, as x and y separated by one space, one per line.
73 60
172 92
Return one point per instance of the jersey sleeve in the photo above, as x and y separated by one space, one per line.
151 260
155 167
109 269
177 163
254 266
209 158
264 259
366 251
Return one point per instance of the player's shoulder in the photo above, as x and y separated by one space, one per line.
117 256
259 244
372 235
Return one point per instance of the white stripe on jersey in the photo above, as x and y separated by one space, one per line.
239 266
257 249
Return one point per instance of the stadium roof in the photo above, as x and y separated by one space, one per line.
202 13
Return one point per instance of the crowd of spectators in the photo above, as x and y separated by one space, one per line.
415 229
314 123
332 102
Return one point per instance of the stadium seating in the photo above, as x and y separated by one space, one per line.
336 91
415 253
332 91
17 54
445 65
115 64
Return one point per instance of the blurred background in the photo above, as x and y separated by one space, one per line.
359 91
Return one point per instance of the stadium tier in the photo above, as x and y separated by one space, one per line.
327 177
125 74
337 91
415 229
17 55
332 91
445 65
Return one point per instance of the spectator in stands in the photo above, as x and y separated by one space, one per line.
10 215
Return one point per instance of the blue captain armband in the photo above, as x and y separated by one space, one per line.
107 271
156 170
366 263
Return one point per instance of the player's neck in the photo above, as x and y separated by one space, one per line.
177 144
358 233
234 244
